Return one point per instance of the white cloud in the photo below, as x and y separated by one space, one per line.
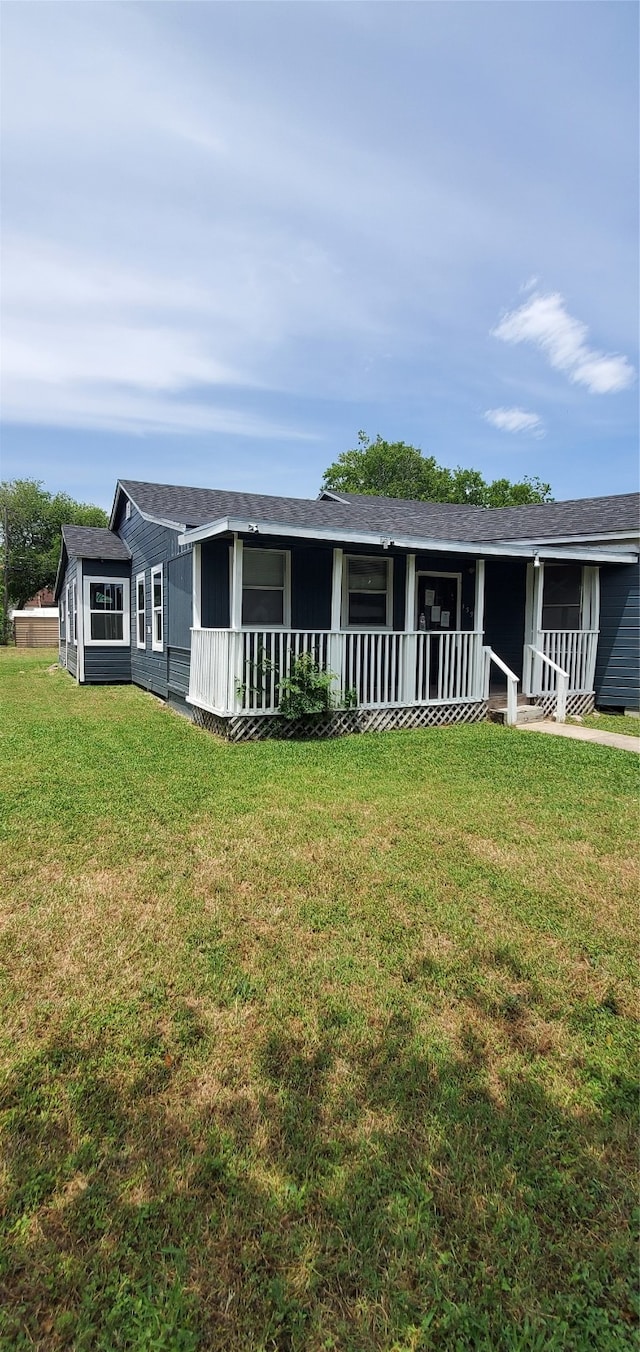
515 420
545 321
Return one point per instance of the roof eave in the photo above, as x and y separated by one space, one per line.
227 525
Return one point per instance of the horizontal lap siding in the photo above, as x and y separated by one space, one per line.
68 655
150 545
617 681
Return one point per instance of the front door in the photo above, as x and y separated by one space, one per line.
438 601
438 613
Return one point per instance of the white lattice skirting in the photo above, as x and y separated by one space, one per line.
578 703
253 728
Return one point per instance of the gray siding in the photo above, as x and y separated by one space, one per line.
105 665
504 613
617 680
215 584
68 655
149 544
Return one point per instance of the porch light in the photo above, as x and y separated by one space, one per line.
386 543
251 525
536 560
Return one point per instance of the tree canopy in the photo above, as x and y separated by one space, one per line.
395 469
30 522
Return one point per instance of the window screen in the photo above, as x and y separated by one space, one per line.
562 596
263 589
367 587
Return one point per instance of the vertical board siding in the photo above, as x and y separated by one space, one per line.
179 583
311 570
215 613
617 683
504 613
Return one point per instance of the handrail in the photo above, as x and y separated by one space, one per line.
562 683
512 686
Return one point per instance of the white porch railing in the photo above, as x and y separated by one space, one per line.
573 651
238 671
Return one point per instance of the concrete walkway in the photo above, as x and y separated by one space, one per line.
621 740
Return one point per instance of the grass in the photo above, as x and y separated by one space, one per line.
625 723
311 1046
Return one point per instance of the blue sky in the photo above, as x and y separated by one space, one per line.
234 234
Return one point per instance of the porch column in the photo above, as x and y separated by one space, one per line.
532 627
236 584
197 586
409 640
478 605
336 590
478 624
336 640
235 638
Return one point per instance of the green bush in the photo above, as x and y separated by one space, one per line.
306 690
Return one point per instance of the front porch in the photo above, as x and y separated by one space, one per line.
427 660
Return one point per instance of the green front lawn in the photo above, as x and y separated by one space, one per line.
624 723
311 1046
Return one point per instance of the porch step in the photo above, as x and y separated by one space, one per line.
527 713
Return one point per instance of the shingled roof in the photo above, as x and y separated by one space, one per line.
94 542
191 507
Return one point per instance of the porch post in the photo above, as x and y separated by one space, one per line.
236 641
197 586
478 624
409 642
336 640
478 606
236 584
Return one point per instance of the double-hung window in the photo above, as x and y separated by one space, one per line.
157 609
265 587
106 610
74 611
141 612
61 625
367 592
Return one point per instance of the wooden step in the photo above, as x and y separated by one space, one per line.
526 713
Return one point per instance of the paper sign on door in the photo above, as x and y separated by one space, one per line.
429 597
445 616
435 614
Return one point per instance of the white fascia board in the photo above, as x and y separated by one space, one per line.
595 539
426 545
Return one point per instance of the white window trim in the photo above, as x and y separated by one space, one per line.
432 572
286 600
157 645
125 641
141 643
367 558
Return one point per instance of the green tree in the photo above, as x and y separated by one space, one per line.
395 469
30 522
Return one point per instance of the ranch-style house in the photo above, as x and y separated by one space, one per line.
423 613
